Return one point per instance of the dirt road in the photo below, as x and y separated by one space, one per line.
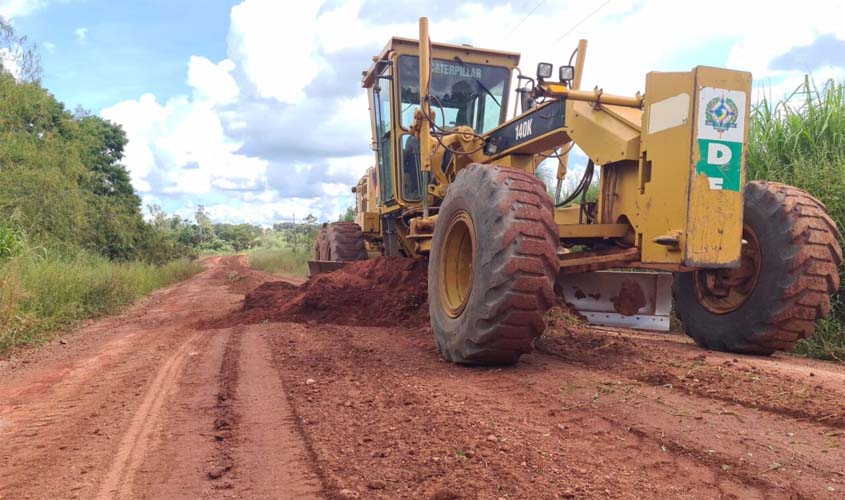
159 403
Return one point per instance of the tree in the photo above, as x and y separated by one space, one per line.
311 223
206 229
239 236
61 177
40 170
102 144
18 57
349 216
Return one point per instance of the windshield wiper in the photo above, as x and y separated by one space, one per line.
483 87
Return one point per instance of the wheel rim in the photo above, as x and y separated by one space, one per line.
457 264
721 291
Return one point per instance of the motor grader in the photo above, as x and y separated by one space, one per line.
750 265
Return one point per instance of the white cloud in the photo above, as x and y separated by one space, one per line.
277 44
13 9
81 34
9 62
268 212
212 82
281 126
50 47
141 121
180 148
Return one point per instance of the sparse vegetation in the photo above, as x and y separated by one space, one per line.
286 248
281 260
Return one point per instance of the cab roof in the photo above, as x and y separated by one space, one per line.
438 50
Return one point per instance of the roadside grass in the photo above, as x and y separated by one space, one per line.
45 290
828 340
280 261
800 141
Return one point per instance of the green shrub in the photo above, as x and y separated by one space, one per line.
11 242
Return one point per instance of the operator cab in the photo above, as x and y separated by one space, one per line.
469 87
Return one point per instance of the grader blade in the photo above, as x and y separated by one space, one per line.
316 267
630 299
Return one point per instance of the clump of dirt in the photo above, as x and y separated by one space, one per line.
630 299
386 291
234 270
267 294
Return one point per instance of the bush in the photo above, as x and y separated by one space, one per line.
11 242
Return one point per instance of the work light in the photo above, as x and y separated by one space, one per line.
544 70
567 73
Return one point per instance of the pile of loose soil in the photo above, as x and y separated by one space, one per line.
386 291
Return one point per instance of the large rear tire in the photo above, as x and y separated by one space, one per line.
789 270
321 245
492 266
344 242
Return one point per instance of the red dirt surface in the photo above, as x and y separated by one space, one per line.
146 406
380 292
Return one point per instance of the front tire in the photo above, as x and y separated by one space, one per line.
789 270
492 266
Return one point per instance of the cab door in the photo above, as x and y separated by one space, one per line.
380 97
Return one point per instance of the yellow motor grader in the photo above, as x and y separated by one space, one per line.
750 265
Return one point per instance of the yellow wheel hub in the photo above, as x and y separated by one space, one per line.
721 291
457 262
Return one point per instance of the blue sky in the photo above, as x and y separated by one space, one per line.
254 109
129 48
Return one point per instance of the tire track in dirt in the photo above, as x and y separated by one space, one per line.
119 479
226 419
122 408
69 403
258 450
182 448
388 419
271 459
776 388
245 444
831 376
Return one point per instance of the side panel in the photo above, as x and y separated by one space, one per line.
720 133
606 135
664 167
370 223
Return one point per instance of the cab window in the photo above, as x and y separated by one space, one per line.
381 101
462 93
410 173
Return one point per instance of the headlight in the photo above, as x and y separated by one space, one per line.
567 73
544 70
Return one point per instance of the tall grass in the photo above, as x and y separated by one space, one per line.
800 140
281 261
43 290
